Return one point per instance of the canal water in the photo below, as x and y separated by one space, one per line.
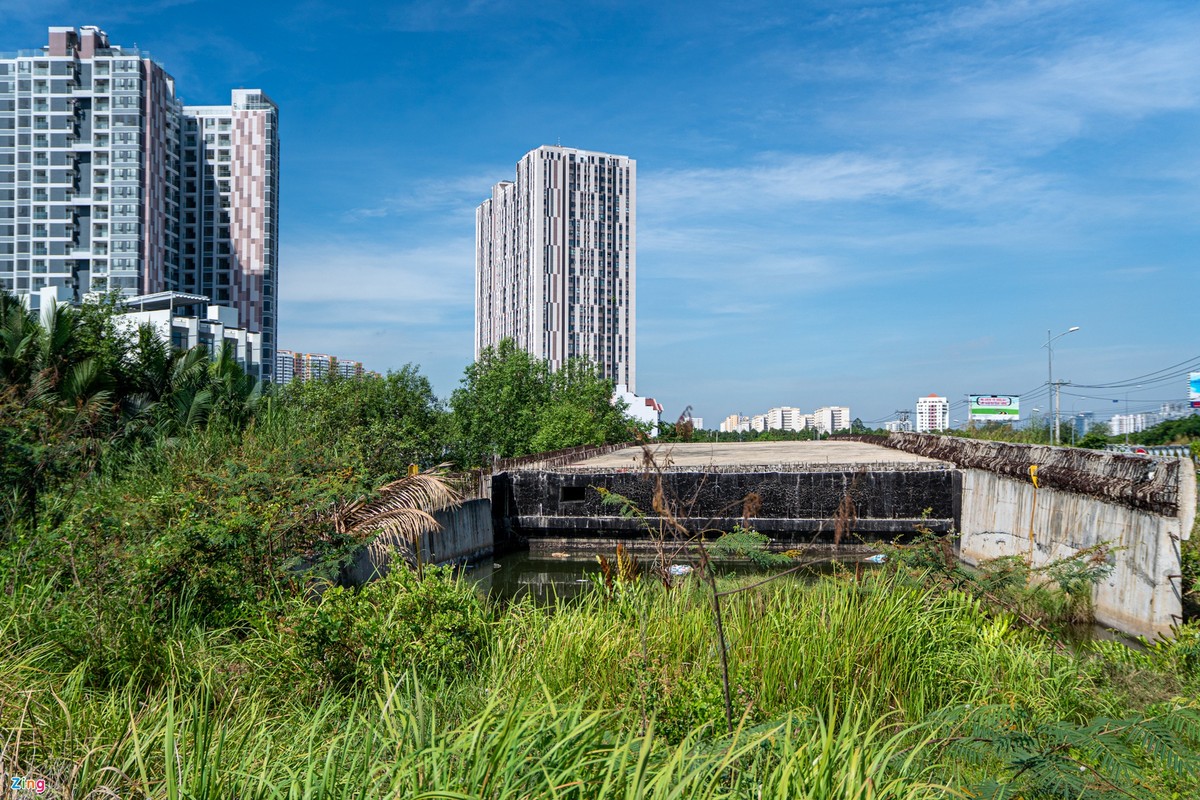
566 575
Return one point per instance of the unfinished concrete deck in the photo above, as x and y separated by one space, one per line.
758 454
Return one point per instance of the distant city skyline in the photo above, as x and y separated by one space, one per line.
860 201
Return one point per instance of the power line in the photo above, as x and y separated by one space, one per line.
1157 376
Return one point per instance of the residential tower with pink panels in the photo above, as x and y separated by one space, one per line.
556 260
108 182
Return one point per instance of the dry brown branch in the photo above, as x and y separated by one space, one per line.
392 509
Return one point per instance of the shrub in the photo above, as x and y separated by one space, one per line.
432 623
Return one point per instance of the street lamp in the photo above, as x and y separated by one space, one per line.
1050 374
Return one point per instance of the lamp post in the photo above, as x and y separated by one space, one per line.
1050 374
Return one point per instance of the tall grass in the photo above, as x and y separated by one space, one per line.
877 647
180 743
609 697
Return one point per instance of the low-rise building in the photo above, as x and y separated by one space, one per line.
187 320
645 410
291 365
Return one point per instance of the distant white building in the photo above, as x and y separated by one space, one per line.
933 413
698 423
646 410
735 423
758 422
831 418
786 418
1122 424
187 320
899 426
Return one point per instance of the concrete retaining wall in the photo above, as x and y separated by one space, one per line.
466 534
1142 596
1143 507
567 504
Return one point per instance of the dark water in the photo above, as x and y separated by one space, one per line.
546 577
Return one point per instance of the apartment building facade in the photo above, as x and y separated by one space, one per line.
291 365
831 418
933 413
108 182
556 261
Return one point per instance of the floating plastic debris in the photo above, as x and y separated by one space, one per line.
878 558
679 569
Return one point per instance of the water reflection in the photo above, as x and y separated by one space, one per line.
545 577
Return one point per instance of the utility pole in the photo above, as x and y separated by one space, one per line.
1050 375
1057 397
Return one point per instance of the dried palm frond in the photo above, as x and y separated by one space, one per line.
401 508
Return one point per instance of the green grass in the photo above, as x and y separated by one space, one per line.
837 684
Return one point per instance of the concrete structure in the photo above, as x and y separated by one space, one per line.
1138 508
556 261
466 534
698 423
187 321
1133 511
107 182
898 426
933 413
758 454
645 410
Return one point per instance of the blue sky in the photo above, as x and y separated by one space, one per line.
839 203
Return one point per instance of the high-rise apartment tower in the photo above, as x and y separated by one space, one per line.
556 260
107 181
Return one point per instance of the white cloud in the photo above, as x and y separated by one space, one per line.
429 277
773 180
457 195
970 19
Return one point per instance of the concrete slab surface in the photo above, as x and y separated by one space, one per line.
731 454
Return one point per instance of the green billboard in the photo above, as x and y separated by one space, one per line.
995 408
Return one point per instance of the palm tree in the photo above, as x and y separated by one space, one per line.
19 331
236 394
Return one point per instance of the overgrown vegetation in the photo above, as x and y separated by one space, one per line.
168 629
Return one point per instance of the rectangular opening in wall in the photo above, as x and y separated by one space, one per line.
571 494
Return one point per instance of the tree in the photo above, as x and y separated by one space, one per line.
580 410
510 404
377 424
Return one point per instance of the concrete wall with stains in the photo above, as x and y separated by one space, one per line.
1141 596
1142 507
